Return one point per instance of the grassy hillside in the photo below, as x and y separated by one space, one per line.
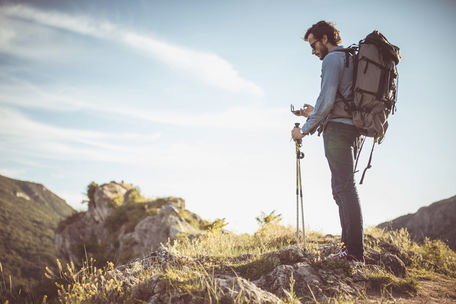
219 267
29 214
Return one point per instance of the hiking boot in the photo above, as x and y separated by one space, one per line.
356 258
342 254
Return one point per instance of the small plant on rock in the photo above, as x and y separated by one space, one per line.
272 217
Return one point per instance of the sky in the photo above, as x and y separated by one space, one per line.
192 98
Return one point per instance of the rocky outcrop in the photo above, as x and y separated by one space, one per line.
105 199
120 225
296 275
226 290
436 221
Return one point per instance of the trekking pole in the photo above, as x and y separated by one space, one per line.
299 198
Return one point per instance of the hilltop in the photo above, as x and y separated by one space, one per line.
269 267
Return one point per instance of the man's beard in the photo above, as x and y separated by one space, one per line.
323 51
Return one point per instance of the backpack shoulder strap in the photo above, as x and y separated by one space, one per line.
347 54
349 51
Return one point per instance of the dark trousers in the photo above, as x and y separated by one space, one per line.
339 140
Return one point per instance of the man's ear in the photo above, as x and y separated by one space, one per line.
324 39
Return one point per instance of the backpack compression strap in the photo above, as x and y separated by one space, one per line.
369 163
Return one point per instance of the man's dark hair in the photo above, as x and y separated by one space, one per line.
324 28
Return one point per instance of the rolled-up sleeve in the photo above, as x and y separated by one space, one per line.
330 77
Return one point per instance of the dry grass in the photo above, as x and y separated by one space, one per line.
196 261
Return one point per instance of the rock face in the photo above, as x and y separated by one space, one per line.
120 225
104 199
436 221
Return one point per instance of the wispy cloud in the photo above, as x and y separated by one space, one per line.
209 67
24 94
24 135
15 173
206 66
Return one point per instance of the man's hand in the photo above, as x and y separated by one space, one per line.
296 134
305 111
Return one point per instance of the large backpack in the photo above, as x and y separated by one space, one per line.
375 84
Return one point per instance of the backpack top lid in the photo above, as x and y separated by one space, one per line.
389 50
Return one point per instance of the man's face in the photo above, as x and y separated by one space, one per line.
318 47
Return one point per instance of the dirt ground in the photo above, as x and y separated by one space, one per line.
437 289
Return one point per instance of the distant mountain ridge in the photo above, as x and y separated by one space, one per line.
29 215
436 221
35 192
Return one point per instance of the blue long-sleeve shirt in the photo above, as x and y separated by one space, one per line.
334 76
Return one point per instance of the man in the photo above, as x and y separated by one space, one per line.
339 133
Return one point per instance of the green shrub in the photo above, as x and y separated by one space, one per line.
436 256
253 270
117 201
432 255
272 217
381 280
134 196
91 193
216 225
129 215
190 218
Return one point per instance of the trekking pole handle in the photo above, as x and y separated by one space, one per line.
299 154
299 141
